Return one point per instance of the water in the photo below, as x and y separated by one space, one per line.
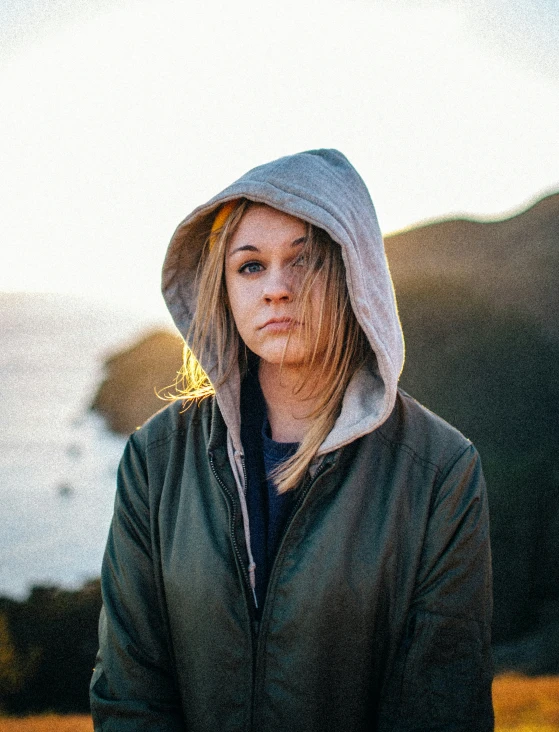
57 461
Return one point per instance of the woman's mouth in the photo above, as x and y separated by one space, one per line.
279 325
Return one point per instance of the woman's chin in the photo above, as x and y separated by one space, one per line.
277 358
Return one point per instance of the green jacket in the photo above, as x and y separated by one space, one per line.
377 615
378 606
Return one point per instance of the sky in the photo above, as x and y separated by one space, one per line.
119 117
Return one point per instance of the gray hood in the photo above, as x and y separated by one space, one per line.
323 188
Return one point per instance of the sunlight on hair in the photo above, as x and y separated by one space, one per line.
192 382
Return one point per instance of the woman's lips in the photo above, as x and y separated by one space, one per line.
281 325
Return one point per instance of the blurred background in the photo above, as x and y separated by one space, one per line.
118 118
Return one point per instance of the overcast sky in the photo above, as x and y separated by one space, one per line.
119 117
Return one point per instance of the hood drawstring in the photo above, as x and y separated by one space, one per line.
236 457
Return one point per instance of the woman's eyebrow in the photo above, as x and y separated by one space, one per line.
244 248
252 248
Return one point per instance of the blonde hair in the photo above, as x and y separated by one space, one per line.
214 338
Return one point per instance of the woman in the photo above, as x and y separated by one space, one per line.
308 548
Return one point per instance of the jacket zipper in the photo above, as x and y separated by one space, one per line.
253 625
305 490
233 521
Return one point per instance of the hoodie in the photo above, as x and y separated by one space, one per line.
324 189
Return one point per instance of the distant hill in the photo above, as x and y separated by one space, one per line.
513 264
134 378
478 303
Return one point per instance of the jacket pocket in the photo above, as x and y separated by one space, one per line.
439 677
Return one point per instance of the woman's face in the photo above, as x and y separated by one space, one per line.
264 268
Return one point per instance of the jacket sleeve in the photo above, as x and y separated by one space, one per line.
133 685
441 677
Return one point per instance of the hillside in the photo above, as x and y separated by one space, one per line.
512 264
135 377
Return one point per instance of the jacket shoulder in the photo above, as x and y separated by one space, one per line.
172 421
426 436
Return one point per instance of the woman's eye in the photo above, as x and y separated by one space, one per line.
250 267
300 261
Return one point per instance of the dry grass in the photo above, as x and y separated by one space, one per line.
47 723
521 705
526 704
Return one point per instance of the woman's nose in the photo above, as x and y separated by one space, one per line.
278 286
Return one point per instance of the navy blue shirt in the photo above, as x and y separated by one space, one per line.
267 510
